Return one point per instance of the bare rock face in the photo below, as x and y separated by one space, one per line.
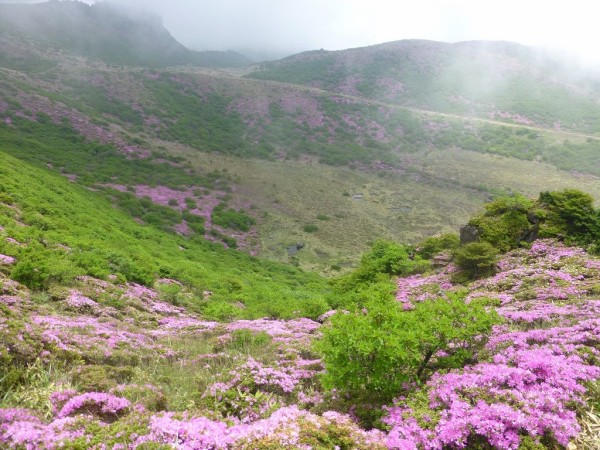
468 233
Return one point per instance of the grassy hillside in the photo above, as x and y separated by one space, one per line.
60 231
287 157
129 319
263 165
486 79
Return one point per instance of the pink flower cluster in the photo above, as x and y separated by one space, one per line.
526 392
88 336
420 288
536 373
285 331
7 260
78 301
102 404
19 429
282 429
171 325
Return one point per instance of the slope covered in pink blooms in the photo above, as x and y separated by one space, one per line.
256 382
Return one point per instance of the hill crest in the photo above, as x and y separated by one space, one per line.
107 32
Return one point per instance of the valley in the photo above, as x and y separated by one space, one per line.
394 246
431 171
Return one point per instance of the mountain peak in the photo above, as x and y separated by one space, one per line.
105 31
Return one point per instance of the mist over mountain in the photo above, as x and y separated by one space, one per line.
482 78
112 33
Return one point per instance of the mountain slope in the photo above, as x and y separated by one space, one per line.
106 32
58 231
345 168
485 79
265 165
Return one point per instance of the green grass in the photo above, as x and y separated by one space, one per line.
71 231
439 194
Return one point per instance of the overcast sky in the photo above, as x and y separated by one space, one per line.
290 26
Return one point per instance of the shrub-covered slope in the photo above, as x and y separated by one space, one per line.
501 80
103 364
184 150
58 231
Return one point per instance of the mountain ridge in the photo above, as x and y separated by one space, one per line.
480 78
107 32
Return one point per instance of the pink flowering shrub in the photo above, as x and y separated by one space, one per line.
257 383
255 390
288 427
20 429
79 302
528 389
100 404
524 394
6 260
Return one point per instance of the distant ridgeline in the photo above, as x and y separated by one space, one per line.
104 31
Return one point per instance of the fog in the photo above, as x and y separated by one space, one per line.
275 28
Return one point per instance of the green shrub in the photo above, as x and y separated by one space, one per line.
505 222
147 395
568 215
310 228
100 378
372 352
229 218
221 311
245 341
571 216
38 268
433 245
476 259
384 259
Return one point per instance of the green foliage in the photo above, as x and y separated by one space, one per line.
385 258
64 148
19 349
505 222
147 395
39 380
230 218
200 120
100 378
476 259
371 353
221 311
247 341
434 245
39 268
73 232
310 228
145 209
568 215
